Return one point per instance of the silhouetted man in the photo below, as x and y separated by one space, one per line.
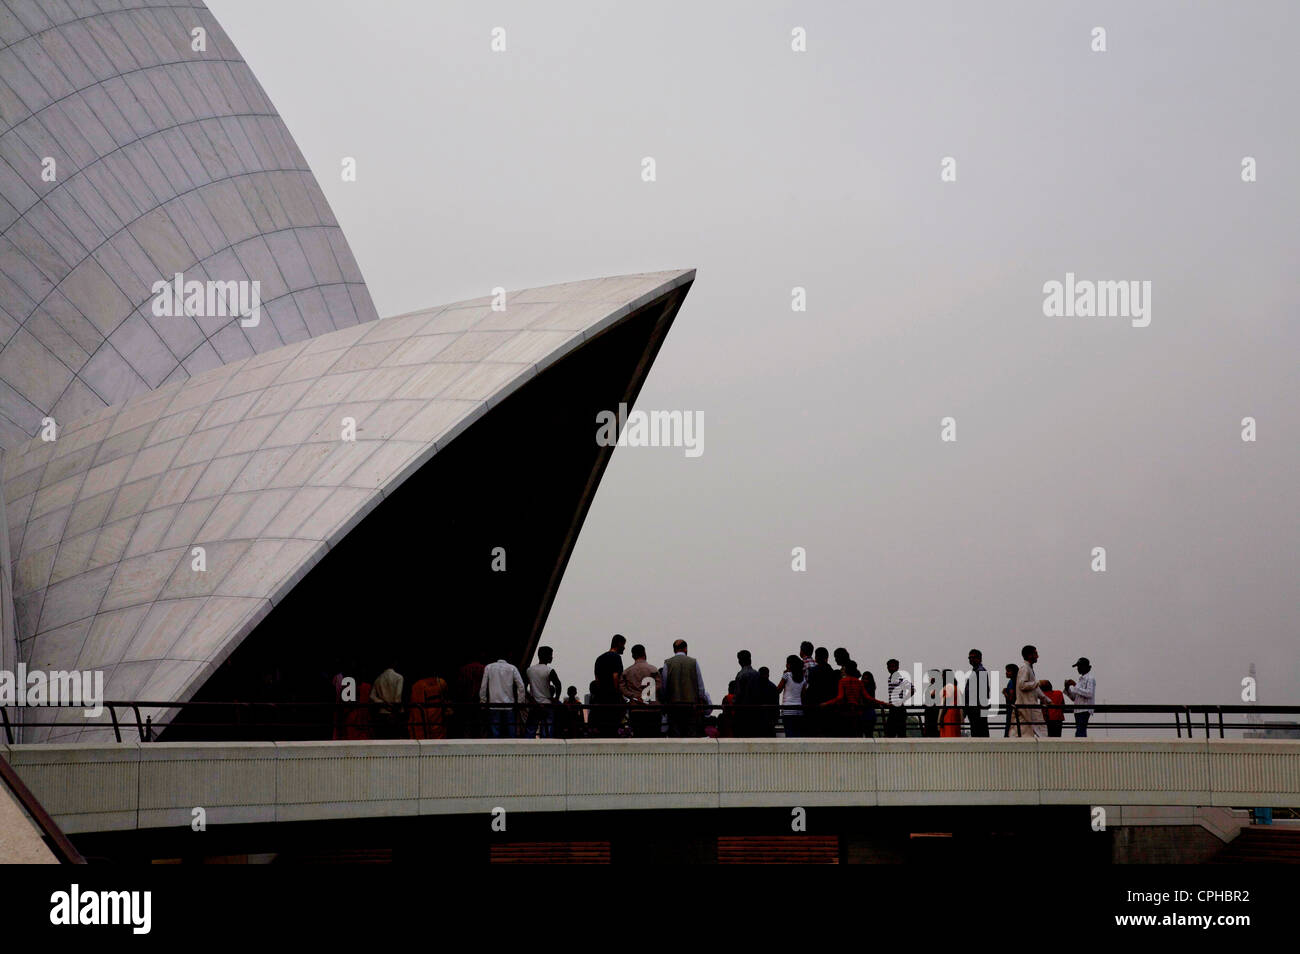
684 692
642 687
842 660
899 694
978 696
749 695
930 700
771 702
469 717
607 690
1030 722
502 692
1009 694
822 686
806 654
544 689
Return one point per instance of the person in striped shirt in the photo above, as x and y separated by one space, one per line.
899 694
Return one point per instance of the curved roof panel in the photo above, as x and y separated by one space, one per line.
127 156
247 461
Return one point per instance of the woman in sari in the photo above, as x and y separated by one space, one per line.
950 719
428 715
870 704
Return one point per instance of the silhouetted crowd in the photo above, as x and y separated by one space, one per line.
812 697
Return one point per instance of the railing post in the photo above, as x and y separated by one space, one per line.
1220 708
9 732
117 730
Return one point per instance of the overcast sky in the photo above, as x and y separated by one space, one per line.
821 169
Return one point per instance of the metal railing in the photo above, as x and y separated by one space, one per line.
360 721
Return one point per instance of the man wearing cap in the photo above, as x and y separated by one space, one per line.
1082 692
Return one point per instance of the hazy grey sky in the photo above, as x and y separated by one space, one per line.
925 299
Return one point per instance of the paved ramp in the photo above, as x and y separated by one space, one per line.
20 841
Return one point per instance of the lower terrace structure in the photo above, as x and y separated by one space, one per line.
880 799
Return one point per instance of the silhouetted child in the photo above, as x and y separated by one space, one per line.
1054 715
572 710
